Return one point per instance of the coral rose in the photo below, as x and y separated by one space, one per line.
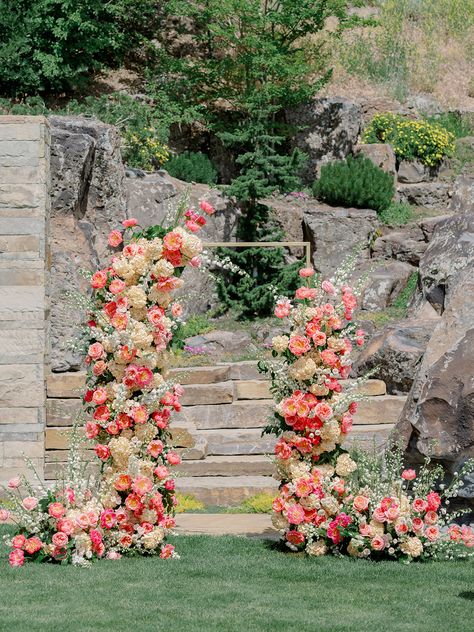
16 558
115 238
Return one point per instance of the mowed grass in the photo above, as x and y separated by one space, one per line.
230 583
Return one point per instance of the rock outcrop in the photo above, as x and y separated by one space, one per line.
326 129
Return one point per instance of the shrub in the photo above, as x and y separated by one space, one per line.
187 502
453 122
397 214
355 182
194 326
192 166
56 45
411 140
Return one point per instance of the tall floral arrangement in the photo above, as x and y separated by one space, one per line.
327 501
128 404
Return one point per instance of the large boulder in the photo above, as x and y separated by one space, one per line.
438 418
450 250
385 283
334 232
404 245
395 353
87 201
462 200
381 154
427 194
326 129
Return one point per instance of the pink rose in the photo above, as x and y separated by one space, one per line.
408 475
65 525
323 411
95 351
29 503
378 543
420 505
401 527
192 226
306 272
117 286
155 448
115 238
60 539
329 357
176 310
14 483
108 519
99 279
431 517
56 510
319 338
113 555
365 529
361 503
173 458
33 545
295 513
161 472
16 558
206 207
328 287
299 345
432 533
167 551
417 524
18 542
283 308
379 515
306 293
4 515
128 223
434 501
195 262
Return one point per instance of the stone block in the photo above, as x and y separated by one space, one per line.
370 438
62 412
21 275
15 132
247 441
252 389
385 409
21 225
22 196
236 415
20 174
198 451
181 438
22 303
20 346
226 490
201 374
66 385
23 415
16 244
370 388
196 394
58 438
21 385
18 449
244 371
252 465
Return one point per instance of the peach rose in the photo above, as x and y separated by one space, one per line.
115 238
378 543
128 223
361 503
306 272
29 503
56 510
60 539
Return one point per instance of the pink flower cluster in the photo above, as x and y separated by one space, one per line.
321 507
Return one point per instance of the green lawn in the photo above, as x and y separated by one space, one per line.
229 584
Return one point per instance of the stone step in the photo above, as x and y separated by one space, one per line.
65 385
241 465
196 394
252 389
240 441
385 409
226 490
242 414
371 437
201 374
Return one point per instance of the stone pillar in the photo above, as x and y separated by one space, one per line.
24 219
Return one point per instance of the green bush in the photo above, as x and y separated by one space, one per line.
397 214
194 326
192 166
354 182
411 139
453 122
57 45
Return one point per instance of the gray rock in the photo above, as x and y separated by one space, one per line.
412 171
462 200
385 284
87 201
428 225
219 342
395 353
326 129
428 194
404 245
450 251
424 104
335 230
381 154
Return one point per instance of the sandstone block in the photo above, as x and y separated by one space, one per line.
252 389
198 451
21 385
201 374
236 415
22 303
58 438
196 394
62 412
20 346
246 441
65 385
385 409
244 371
22 415
181 437
252 465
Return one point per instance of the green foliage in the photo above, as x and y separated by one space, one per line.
355 182
192 166
397 214
259 503
403 299
267 272
194 326
56 45
454 123
187 502
411 140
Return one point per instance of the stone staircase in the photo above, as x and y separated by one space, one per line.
218 431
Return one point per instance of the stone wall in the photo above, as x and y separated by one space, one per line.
24 216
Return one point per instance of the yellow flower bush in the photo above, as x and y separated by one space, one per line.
411 139
144 150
